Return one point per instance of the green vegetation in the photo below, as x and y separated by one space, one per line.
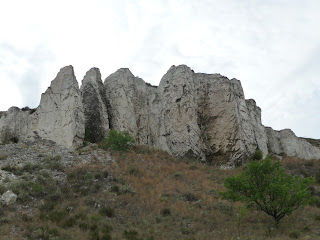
258 155
141 194
119 141
266 186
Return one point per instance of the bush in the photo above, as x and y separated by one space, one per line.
189 197
258 155
269 188
106 211
131 235
165 212
118 141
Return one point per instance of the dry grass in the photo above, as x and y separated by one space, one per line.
148 194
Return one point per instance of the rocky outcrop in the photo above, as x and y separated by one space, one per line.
285 141
129 108
59 116
195 115
14 125
9 197
95 106
200 116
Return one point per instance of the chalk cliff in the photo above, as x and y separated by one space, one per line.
200 116
59 116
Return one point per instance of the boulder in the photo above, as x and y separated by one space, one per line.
9 197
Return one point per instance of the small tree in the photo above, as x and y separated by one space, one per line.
119 141
266 186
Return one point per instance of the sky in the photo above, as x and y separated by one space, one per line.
271 46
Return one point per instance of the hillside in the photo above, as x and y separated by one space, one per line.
144 193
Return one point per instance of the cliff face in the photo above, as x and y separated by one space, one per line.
200 116
59 116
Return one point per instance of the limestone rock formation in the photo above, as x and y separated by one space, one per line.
202 116
14 125
59 116
285 141
128 104
95 106
195 115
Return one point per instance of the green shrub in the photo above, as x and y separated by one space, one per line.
106 211
189 197
266 186
165 212
118 141
294 235
258 155
134 171
54 163
131 235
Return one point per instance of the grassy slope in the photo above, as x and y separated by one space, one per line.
142 194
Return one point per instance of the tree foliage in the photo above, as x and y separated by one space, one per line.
266 186
119 141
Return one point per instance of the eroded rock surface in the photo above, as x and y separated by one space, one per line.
59 116
195 115
14 125
200 116
95 106
128 100
9 197
285 141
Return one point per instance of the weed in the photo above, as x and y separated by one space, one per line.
224 208
13 169
3 189
6 179
83 226
214 192
134 171
1 211
54 163
165 212
3 157
31 167
69 222
131 235
106 211
294 235
189 197
193 167
177 175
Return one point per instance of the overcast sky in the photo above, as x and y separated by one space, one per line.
272 46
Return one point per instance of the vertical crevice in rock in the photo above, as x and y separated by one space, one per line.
95 109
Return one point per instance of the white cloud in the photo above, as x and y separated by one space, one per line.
271 46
